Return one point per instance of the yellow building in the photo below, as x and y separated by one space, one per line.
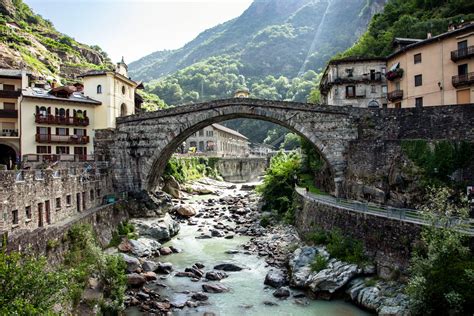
115 90
436 71
12 81
58 123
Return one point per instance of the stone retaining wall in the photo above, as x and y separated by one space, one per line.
241 169
388 241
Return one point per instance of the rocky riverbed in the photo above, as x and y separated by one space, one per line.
211 256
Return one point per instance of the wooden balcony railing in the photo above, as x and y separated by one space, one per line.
73 139
463 80
395 95
462 53
57 157
8 113
10 94
61 120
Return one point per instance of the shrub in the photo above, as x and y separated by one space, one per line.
265 220
124 229
319 263
318 237
27 287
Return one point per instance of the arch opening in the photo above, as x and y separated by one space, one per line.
7 156
162 156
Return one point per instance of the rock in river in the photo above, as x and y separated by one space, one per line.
135 280
282 292
215 288
161 229
132 263
228 267
275 278
216 275
185 210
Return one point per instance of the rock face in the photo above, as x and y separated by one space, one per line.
172 187
161 229
148 204
185 210
275 278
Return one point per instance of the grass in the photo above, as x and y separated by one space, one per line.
319 263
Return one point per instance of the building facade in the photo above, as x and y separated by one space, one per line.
218 141
436 71
357 82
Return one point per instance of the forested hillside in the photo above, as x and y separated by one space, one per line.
410 18
26 39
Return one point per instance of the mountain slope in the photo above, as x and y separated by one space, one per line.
272 37
26 39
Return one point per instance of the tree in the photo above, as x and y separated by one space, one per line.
291 142
442 269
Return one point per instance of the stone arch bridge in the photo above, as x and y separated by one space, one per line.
141 145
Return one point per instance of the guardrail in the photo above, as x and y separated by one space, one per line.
401 214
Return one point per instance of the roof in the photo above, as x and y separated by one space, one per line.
406 40
356 59
228 130
12 73
39 93
92 73
468 27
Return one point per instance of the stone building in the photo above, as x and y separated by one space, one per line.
438 70
355 81
218 141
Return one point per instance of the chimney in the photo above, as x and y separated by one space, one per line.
53 84
429 35
24 79
451 27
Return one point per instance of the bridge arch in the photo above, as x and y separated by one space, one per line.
145 142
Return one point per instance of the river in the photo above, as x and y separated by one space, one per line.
248 295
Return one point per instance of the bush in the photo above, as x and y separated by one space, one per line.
319 263
187 169
27 287
318 237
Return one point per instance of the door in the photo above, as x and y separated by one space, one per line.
40 214
78 202
47 212
463 96
83 200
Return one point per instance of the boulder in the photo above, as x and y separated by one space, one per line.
135 280
282 292
299 265
275 278
161 229
165 251
215 288
144 247
185 210
216 275
148 204
150 275
199 296
133 264
164 267
172 187
124 246
149 266
228 267
334 277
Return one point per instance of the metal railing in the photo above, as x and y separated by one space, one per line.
67 139
462 53
461 80
61 120
395 95
401 214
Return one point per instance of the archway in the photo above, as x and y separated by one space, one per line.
143 143
7 156
123 109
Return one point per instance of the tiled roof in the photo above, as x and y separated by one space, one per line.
228 130
43 94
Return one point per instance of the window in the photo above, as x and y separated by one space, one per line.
417 58
419 102
92 195
62 112
384 90
209 133
8 106
28 212
80 150
79 132
398 105
192 144
8 87
43 149
58 203
384 70
62 150
372 74
349 72
201 133
462 70
372 89
201 146
384 105
42 111
99 89
350 91
123 89
62 131
123 109
397 85
461 46
15 217
98 192
68 199
418 80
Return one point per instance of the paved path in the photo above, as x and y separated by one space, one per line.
405 215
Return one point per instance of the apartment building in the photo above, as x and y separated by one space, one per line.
355 81
218 141
438 70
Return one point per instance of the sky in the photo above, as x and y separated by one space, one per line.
136 28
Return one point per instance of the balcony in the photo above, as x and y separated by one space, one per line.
8 113
395 95
9 133
62 139
10 94
462 53
61 120
394 74
463 80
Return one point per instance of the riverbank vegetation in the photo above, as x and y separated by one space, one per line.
442 268
185 169
30 286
